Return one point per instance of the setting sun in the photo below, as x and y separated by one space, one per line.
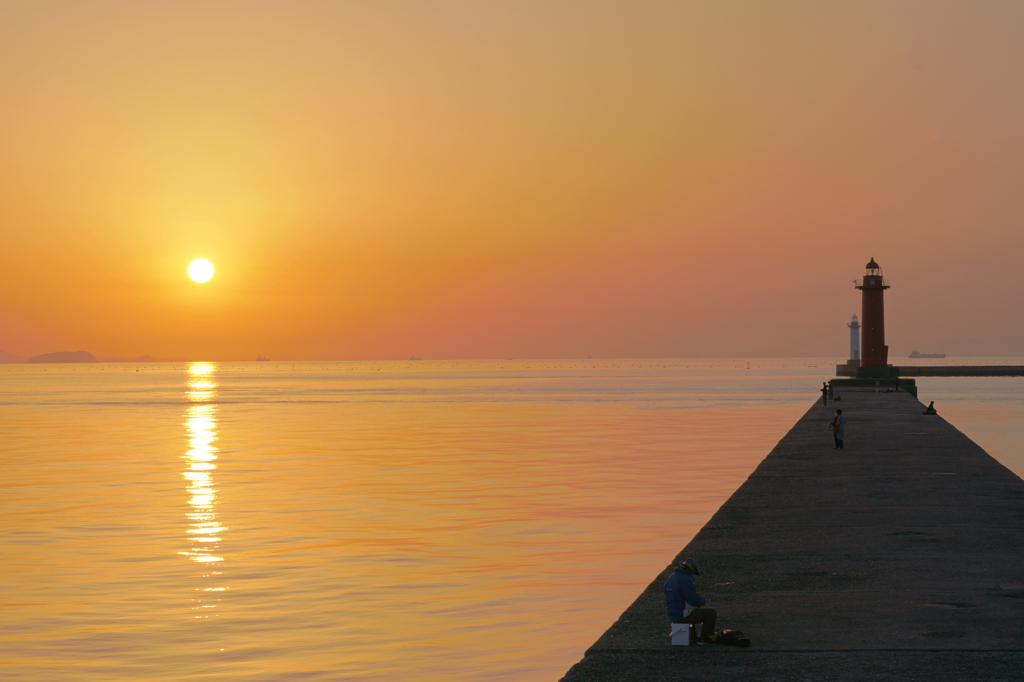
200 270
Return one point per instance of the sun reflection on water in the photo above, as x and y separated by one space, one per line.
204 529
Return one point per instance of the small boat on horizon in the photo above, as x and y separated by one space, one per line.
262 358
915 354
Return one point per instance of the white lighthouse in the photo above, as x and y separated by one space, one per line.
849 368
854 342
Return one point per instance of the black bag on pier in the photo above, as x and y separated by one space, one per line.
733 638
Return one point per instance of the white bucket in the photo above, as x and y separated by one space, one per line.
681 634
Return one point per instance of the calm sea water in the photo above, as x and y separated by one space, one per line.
374 521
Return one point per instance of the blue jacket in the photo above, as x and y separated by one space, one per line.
680 591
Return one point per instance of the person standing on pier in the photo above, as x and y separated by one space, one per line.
838 425
686 605
824 393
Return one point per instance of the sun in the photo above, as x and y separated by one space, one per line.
200 270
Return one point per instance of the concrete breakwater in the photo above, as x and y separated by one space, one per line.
848 370
896 558
963 371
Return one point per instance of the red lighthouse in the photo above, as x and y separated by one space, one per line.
873 351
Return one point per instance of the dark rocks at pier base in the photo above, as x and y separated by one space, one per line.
895 558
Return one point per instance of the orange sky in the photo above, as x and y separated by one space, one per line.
474 180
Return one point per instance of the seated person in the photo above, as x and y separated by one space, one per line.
686 605
931 408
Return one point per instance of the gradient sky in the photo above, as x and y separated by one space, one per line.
480 180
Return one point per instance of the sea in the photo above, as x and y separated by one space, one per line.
418 520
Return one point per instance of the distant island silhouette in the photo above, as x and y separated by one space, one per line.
64 356
141 358
10 358
78 356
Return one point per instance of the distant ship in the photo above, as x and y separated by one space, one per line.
915 354
263 358
415 358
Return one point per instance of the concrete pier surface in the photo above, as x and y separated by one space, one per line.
899 557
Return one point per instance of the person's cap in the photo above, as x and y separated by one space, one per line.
692 564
